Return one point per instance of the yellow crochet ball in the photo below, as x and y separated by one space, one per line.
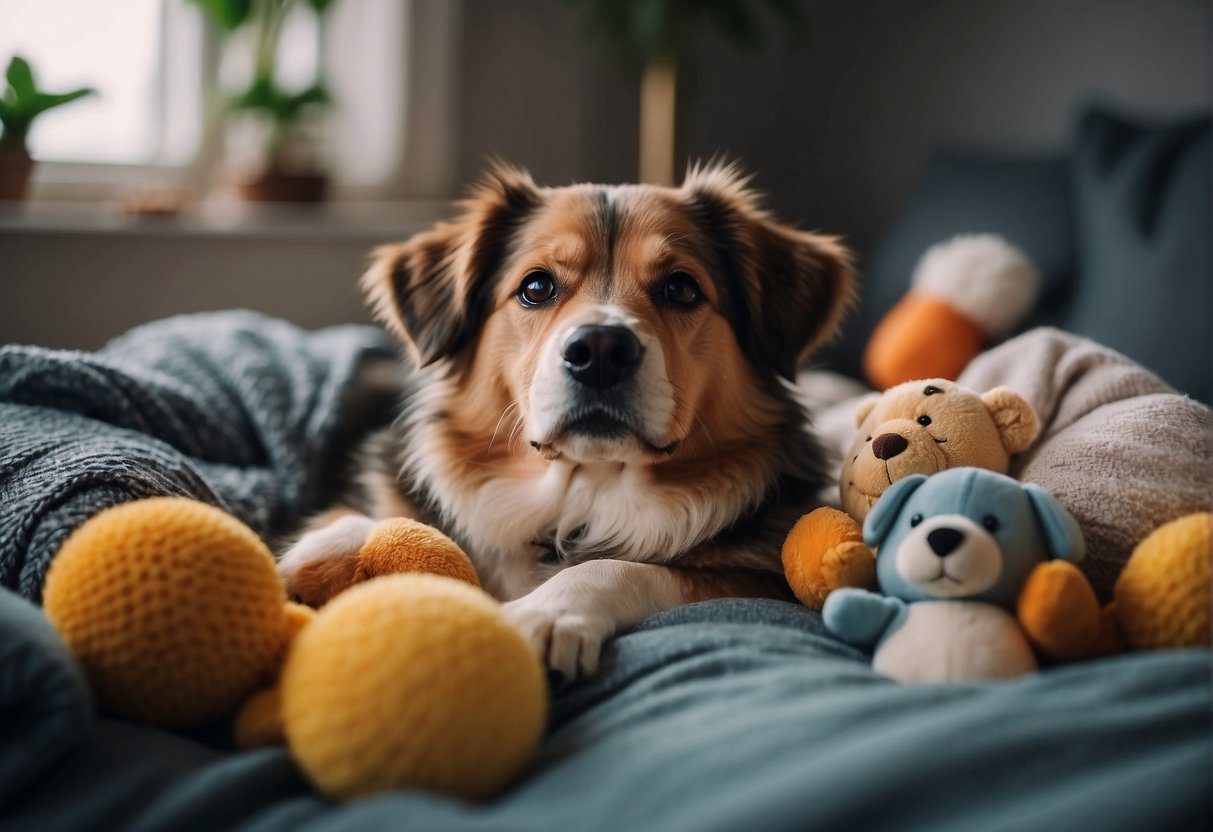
1163 595
412 681
173 607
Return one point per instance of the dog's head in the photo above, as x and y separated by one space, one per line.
613 322
966 533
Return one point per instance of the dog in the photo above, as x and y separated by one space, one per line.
599 406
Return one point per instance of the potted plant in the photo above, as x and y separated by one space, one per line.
658 34
20 103
288 168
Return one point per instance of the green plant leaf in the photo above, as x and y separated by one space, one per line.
20 77
283 107
320 6
43 101
735 23
229 14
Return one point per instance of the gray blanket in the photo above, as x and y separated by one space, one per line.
725 715
242 411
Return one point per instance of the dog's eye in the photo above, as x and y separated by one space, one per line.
681 289
916 519
991 523
924 420
537 288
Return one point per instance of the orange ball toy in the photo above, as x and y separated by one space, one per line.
173 607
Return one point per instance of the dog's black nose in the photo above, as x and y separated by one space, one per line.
601 356
944 541
889 445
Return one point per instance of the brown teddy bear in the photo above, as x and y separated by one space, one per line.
919 427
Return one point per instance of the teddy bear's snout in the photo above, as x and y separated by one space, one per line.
889 445
944 541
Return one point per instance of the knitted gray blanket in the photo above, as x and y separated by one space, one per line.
232 408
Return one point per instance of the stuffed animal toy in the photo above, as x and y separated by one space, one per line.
1162 598
918 427
178 615
957 555
966 293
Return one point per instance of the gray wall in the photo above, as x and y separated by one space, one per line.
837 130
838 127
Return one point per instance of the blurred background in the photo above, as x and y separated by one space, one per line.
207 155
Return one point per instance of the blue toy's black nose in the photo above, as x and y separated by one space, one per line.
944 541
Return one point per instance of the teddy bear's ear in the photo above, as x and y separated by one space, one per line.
884 514
865 407
1062 534
1015 418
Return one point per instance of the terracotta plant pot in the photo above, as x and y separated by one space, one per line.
276 186
15 168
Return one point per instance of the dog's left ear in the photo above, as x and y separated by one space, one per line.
434 291
787 289
1062 533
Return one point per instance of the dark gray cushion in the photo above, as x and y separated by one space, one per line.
1026 200
1142 230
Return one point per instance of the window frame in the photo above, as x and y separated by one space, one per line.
425 161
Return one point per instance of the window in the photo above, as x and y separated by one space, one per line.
158 70
149 107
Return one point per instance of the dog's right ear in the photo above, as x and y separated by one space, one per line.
435 290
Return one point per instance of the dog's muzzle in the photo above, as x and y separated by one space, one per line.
599 356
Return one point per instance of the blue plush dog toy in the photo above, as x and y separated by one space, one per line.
955 549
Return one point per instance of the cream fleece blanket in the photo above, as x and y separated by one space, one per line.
1119 448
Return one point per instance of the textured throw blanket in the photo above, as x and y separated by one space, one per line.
244 412
255 416
1118 447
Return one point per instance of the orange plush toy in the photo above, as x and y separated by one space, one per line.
919 427
178 615
966 293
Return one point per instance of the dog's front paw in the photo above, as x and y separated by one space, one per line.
567 641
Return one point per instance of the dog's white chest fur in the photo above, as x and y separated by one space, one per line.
943 640
607 508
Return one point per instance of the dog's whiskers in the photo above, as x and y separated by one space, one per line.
504 412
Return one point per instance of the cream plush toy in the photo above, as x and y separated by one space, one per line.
966 293
919 427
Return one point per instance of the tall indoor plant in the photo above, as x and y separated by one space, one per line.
289 168
657 34
20 103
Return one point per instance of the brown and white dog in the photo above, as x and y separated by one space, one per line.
599 406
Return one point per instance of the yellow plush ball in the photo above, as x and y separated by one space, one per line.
173 607
412 681
1163 597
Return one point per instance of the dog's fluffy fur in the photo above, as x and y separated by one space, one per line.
587 510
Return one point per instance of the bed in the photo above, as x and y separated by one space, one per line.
727 714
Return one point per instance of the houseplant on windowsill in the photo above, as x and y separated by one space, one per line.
20 103
658 35
287 167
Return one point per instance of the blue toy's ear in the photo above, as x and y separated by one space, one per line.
1062 533
884 513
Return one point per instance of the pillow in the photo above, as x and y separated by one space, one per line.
1026 200
1118 447
46 710
1142 232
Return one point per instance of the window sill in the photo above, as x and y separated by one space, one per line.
348 221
